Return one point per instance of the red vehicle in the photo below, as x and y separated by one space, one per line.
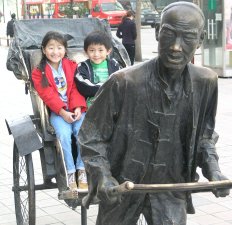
111 10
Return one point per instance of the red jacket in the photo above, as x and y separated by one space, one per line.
50 94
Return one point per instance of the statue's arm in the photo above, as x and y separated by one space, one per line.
207 154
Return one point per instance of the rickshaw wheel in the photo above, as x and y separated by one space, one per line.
24 188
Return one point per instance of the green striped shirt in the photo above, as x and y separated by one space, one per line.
101 74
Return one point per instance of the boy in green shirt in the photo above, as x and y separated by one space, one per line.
93 72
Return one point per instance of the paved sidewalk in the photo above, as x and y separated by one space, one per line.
49 210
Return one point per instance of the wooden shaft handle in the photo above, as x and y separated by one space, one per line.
194 187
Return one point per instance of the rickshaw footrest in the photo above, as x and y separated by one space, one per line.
67 195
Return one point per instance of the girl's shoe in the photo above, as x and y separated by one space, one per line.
82 181
72 182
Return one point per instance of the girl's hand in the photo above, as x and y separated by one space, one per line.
77 113
69 117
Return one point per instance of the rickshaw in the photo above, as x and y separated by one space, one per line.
34 132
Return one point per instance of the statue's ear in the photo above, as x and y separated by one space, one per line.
202 37
157 27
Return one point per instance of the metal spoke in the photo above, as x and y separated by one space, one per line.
24 191
24 194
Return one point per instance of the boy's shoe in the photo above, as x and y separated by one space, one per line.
82 181
72 182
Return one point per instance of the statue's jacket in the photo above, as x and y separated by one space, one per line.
121 130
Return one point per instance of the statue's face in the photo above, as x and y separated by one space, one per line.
179 36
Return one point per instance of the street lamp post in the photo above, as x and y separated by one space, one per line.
3 10
17 9
138 50
24 9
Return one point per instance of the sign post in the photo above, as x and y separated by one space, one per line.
212 5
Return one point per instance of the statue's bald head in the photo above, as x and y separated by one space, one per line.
185 10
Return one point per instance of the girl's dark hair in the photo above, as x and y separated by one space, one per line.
51 35
129 13
97 38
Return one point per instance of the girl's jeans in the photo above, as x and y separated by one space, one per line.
64 131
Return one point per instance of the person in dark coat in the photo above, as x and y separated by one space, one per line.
127 31
10 26
153 123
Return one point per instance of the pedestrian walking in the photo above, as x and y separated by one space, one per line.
10 26
127 31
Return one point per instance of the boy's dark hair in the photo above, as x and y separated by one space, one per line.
99 38
51 35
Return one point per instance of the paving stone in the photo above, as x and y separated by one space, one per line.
213 208
206 220
47 220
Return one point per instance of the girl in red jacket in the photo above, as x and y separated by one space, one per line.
54 81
